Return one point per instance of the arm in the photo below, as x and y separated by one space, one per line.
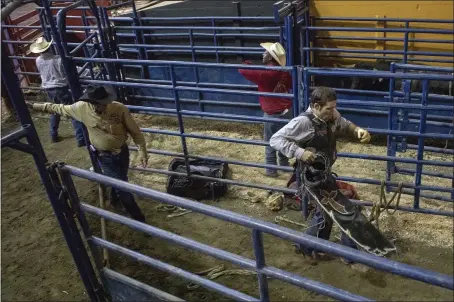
349 128
137 136
73 110
298 130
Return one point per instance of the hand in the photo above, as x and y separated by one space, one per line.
308 156
143 161
363 135
29 105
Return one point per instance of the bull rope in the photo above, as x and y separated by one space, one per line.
218 271
173 210
383 204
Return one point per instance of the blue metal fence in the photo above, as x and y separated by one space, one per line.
257 228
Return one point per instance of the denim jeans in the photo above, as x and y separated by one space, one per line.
116 166
321 226
61 95
269 130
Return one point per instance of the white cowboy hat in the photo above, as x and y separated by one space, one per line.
40 45
276 51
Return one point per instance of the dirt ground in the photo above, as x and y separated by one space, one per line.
36 264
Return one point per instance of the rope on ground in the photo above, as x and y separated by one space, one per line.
218 271
277 219
383 204
174 210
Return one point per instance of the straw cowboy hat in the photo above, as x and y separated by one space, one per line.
276 51
40 45
102 95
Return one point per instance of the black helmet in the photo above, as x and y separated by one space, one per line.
315 173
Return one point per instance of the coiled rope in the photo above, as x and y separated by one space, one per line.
173 210
383 204
218 271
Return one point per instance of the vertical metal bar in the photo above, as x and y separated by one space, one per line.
291 51
308 43
14 91
406 42
420 154
138 39
180 118
390 138
75 203
215 40
257 240
196 70
73 80
87 33
306 96
86 270
237 5
281 35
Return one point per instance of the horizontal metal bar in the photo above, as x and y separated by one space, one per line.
170 269
188 51
385 58
351 38
407 209
273 229
210 114
432 149
376 74
423 68
210 35
201 18
186 88
377 29
198 84
412 20
429 173
227 181
374 51
223 160
396 105
26 73
152 291
81 44
411 192
190 244
170 46
235 28
180 63
196 101
395 159
15 135
438 124
395 184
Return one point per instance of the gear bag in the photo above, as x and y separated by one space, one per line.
183 186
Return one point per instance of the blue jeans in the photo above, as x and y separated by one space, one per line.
61 95
116 166
320 226
269 130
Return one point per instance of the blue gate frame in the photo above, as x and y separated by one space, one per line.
58 183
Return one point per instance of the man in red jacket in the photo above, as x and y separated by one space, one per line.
275 107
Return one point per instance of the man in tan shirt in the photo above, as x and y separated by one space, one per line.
108 124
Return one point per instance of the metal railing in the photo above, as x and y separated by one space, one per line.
256 226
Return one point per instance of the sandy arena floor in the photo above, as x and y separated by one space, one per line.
36 264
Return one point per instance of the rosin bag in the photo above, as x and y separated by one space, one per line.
195 188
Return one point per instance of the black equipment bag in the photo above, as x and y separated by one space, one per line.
183 186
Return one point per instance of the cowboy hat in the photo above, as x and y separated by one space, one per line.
276 51
101 95
40 45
